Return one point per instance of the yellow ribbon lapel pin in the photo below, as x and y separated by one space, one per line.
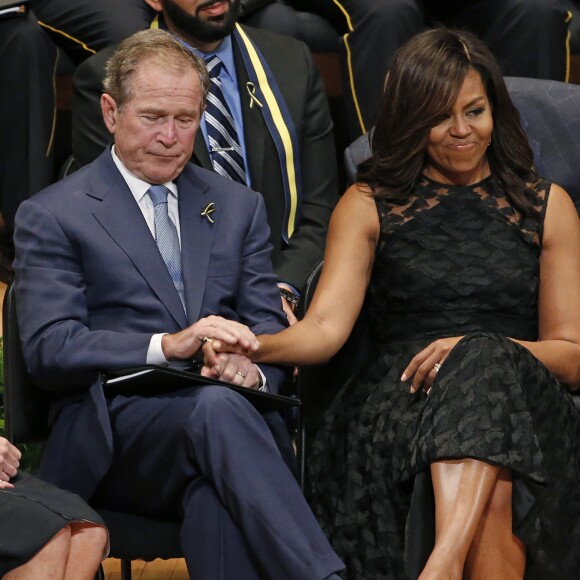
208 210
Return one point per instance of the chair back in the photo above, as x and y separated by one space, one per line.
25 405
550 116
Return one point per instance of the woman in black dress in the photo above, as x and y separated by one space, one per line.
45 532
455 454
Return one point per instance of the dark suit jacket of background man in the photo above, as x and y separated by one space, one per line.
92 288
299 82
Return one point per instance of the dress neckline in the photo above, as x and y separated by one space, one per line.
439 184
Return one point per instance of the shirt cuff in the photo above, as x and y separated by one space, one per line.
290 287
264 388
155 354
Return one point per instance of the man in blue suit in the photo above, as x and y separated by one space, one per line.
108 276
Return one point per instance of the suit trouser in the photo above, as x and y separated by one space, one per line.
527 36
207 456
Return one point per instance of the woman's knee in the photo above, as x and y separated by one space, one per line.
90 534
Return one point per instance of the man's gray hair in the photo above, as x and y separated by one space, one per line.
158 47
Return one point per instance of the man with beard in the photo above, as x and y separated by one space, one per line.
280 120
142 258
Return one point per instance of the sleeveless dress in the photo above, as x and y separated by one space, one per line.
31 513
452 261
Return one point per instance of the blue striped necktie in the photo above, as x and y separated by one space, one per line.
224 146
166 237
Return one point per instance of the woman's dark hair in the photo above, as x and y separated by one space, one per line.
422 85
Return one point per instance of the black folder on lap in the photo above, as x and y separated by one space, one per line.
151 380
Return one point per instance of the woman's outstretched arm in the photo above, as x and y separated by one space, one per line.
348 261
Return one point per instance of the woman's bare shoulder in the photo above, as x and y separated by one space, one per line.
562 220
357 210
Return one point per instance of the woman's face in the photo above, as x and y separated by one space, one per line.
456 152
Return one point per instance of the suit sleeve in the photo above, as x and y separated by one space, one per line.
89 134
61 352
258 303
319 184
79 313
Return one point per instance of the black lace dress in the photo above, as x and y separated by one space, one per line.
454 261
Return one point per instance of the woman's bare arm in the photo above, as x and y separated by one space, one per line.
348 261
558 346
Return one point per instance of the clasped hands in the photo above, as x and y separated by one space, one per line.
227 346
9 462
233 367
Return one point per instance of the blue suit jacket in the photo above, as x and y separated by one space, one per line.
92 288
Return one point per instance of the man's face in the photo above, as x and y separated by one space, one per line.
200 22
155 129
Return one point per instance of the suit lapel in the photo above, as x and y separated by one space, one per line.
255 131
197 236
121 217
200 152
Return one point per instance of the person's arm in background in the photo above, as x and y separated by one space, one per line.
89 133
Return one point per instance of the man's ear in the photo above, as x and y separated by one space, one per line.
110 110
157 5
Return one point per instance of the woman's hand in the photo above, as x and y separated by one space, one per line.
185 344
425 365
9 462
211 350
235 369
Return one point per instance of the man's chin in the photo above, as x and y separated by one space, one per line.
163 169
216 28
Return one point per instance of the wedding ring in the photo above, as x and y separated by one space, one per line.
206 339
436 367
241 374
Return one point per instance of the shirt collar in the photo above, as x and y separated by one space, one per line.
137 186
224 51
